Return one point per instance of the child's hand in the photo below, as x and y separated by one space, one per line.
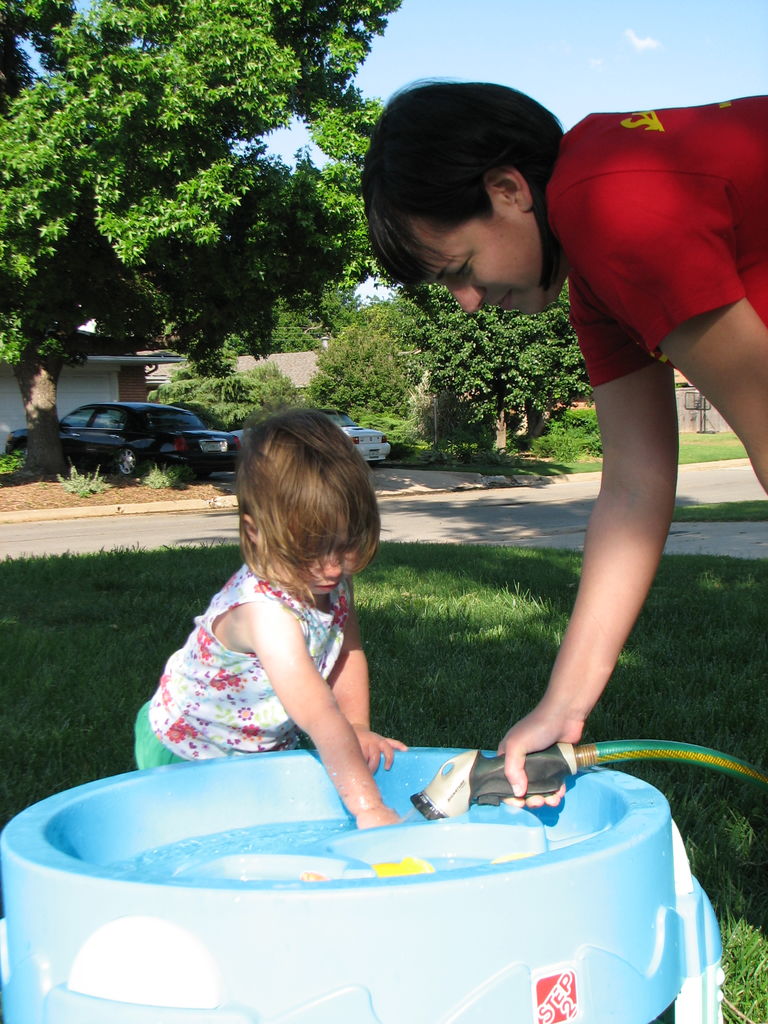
377 816
373 746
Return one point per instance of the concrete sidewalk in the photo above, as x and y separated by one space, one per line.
424 481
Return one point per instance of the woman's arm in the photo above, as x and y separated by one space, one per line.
625 538
349 681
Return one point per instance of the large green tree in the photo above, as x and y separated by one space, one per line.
136 189
363 368
512 369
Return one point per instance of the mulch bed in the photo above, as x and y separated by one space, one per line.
18 493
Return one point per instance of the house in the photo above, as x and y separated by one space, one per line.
100 379
299 367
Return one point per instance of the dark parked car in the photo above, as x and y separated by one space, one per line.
120 435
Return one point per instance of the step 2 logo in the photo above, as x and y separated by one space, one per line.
556 997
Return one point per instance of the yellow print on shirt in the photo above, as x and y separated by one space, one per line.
646 119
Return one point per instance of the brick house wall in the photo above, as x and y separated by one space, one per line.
131 384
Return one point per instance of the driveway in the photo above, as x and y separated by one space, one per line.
452 508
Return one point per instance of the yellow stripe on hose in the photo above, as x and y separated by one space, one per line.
685 755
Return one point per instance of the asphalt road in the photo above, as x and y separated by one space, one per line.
555 514
547 514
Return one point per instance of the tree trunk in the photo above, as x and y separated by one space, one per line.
535 421
37 377
501 430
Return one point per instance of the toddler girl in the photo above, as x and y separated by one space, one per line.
278 650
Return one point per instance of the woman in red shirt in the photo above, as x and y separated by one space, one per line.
659 220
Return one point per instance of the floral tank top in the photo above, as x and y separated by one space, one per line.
213 702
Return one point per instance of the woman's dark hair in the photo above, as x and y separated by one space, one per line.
428 156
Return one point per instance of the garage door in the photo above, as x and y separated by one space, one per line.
75 388
78 388
11 409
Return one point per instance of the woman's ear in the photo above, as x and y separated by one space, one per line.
506 186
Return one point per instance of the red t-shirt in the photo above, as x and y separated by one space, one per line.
662 215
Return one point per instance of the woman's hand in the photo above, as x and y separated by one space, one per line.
537 731
375 746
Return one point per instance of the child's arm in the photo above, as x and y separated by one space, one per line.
275 636
350 684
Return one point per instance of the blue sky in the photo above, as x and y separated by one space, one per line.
575 56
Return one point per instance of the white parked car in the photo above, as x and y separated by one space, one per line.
372 444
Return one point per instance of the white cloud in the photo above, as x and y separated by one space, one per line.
641 44
596 63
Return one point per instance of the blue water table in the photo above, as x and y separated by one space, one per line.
238 892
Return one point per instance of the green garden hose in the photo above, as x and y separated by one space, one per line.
588 754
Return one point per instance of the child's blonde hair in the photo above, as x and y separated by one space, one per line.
308 495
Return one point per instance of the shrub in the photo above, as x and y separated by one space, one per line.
469 453
83 484
361 369
573 436
401 433
161 477
11 462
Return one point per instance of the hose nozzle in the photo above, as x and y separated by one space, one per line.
472 778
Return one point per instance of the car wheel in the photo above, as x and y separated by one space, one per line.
125 462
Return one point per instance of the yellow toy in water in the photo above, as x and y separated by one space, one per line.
407 866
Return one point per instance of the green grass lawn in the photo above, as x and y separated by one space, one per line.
693 448
723 512
710 448
460 642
